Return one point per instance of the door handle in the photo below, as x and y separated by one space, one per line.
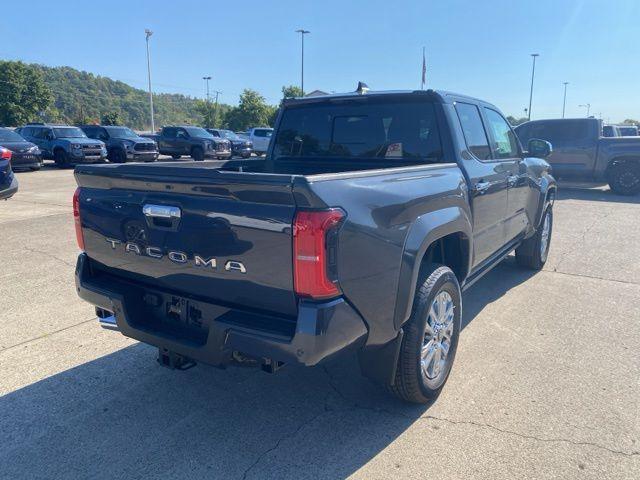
161 211
481 187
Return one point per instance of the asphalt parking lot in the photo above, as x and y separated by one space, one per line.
546 382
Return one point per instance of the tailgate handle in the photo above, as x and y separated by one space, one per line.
161 211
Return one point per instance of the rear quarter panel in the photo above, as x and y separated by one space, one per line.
382 208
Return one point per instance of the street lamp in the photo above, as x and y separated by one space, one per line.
587 106
206 79
302 33
564 101
148 33
533 72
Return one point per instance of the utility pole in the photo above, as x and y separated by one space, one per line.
206 79
148 33
533 73
564 101
215 108
302 33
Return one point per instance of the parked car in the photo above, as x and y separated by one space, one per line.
581 152
179 140
260 138
8 181
360 237
240 147
627 130
64 144
123 144
25 155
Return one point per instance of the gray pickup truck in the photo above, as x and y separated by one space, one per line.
179 140
369 216
581 151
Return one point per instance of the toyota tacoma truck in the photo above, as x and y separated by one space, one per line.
358 231
123 144
582 151
193 141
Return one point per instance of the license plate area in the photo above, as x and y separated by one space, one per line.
176 316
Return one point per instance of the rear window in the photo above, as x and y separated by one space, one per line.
556 132
266 133
361 128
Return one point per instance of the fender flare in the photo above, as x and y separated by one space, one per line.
623 158
548 191
426 230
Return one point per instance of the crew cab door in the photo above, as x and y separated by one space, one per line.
182 144
506 149
488 185
167 140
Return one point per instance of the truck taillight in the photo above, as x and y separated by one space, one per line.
76 218
314 252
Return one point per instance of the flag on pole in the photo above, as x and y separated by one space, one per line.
424 69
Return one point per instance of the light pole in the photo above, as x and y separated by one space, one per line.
302 33
215 107
148 33
587 106
206 79
564 101
533 72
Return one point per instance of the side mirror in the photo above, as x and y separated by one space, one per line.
539 148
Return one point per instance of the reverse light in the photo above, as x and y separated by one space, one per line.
76 218
314 252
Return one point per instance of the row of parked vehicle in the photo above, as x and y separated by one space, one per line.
620 131
71 145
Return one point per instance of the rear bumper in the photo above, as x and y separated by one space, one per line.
321 329
10 191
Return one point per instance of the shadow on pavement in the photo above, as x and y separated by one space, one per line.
124 416
592 192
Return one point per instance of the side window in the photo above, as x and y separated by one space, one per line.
169 132
102 134
181 133
473 130
90 132
259 133
215 133
505 144
27 132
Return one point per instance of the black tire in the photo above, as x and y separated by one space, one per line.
60 157
176 157
533 252
624 178
197 154
35 169
118 156
412 381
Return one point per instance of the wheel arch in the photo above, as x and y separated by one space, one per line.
442 236
620 159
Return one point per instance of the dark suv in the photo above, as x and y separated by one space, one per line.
123 144
65 144
239 146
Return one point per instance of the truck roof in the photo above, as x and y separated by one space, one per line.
440 96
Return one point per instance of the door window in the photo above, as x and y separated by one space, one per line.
474 133
505 144
169 132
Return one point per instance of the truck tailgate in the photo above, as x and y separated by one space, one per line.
222 236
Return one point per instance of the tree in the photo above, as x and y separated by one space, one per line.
111 118
24 96
516 121
291 91
252 111
630 121
207 111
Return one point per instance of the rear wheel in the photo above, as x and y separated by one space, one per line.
624 178
430 337
197 154
36 168
534 251
176 157
60 157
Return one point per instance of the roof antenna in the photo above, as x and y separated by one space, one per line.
362 88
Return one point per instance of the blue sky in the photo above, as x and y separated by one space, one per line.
480 48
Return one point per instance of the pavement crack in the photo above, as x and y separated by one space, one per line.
33 250
279 442
530 437
10 347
